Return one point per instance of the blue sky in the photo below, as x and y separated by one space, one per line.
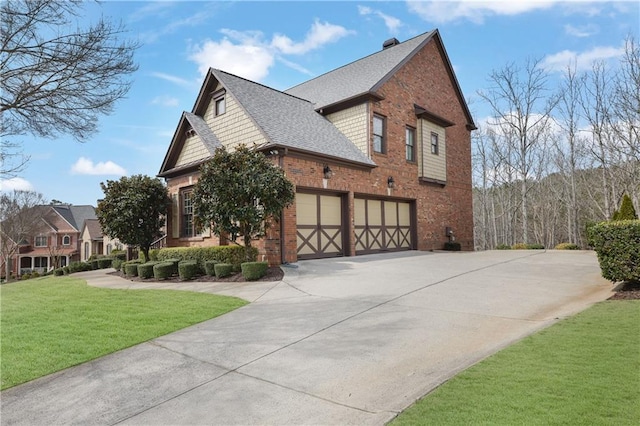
281 44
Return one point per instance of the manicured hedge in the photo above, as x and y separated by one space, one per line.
252 271
223 269
209 267
145 270
131 268
233 255
163 270
617 244
79 267
105 262
58 271
117 264
188 269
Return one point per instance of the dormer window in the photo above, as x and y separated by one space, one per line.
221 105
66 240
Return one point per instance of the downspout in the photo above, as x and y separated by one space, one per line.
282 247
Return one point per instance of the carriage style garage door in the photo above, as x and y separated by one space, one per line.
319 223
382 225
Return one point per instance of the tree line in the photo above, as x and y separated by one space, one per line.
547 163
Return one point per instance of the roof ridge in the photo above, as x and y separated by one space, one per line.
360 59
260 84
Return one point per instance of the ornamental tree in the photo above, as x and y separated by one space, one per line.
133 210
238 192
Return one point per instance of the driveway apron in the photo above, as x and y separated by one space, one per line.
351 340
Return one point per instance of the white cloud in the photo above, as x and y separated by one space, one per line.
474 11
249 55
173 79
321 33
164 100
392 23
250 58
16 183
84 166
581 31
583 61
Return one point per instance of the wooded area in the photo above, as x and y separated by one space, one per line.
547 162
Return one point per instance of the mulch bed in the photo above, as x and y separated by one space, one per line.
273 274
629 291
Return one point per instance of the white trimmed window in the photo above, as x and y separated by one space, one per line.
41 241
66 240
378 134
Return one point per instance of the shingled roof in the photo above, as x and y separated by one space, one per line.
359 77
291 122
75 215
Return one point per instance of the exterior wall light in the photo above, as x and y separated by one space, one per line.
391 183
327 172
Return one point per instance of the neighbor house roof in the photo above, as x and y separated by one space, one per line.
94 229
75 215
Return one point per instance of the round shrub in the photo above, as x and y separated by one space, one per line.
223 269
65 270
503 247
25 276
188 269
567 246
58 271
117 264
519 246
145 270
535 247
162 270
209 267
105 262
252 271
131 269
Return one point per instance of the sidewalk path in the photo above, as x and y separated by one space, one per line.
341 341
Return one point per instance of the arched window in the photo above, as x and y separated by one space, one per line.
66 240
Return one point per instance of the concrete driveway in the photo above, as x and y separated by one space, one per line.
342 341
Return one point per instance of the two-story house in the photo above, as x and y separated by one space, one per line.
379 151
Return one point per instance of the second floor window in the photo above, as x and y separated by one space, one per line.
66 240
434 143
378 134
41 241
221 106
410 143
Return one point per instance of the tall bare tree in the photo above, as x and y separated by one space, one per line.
55 80
20 218
521 104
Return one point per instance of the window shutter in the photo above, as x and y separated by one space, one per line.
175 216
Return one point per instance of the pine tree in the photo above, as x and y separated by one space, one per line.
627 211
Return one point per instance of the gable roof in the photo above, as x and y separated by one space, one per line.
94 229
366 75
75 215
290 122
188 121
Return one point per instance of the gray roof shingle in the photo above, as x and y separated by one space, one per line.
201 128
289 121
76 215
358 77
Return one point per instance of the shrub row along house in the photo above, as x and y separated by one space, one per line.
379 152
61 234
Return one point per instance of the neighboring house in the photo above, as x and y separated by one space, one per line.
379 151
55 242
95 243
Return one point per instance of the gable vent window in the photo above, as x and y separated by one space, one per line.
221 105
379 134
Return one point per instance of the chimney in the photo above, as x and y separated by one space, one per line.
390 43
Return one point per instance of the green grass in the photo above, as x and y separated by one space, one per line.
581 371
52 323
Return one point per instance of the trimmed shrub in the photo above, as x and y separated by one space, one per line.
153 255
174 262
209 267
252 271
25 276
535 247
58 271
519 246
145 270
503 247
105 262
567 246
116 264
223 269
162 270
618 247
118 254
94 264
131 268
79 267
233 255
452 246
65 270
188 269
627 211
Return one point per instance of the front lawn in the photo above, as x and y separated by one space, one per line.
581 371
52 323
